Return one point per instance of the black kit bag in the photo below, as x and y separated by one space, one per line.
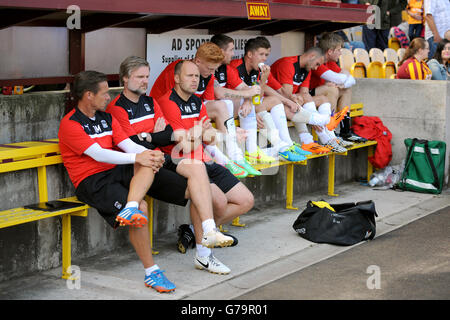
348 224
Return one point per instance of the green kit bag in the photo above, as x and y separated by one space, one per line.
424 166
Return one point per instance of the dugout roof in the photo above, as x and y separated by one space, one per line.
158 16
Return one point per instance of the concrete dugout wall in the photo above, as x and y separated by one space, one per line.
408 108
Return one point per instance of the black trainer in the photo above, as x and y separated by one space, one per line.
186 238
235 240
350 136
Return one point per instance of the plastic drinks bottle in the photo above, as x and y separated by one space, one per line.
256 99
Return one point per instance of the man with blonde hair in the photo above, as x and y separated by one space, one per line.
143 121
335 83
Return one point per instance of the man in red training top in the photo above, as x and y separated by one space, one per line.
143 121
208 58
187 115
274 106
291 72
114 182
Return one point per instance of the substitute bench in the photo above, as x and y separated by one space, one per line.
40 155
355 111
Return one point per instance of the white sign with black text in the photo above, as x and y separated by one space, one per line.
164 49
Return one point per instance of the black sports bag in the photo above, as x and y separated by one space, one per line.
350 223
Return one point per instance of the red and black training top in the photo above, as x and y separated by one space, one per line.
140 117
253 76
77 133
165 82
287 70
183 115
227 76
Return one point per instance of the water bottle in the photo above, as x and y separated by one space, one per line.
373 182
256 99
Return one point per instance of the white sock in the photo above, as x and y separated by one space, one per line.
233 150
217 155
325 108
279 118
330 133
318 119
208 225
249 124
323 136
310 106
132 204
149 270
306 138
203 251
271 133
230 107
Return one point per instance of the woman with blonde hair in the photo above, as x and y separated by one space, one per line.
413 65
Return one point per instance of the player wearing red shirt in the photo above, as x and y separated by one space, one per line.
269 114
111 181
186 114
139 114
208 58
165 83
230 88
335 84
251 68
329 79
293 73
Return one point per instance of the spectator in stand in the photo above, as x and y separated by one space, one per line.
377 38
390 15
440 64
400 32
415 18
437 18
413 65
350 45
394 11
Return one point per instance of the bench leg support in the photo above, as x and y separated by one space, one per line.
290 187
66 245
331 174
236 223
150 223
370 152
